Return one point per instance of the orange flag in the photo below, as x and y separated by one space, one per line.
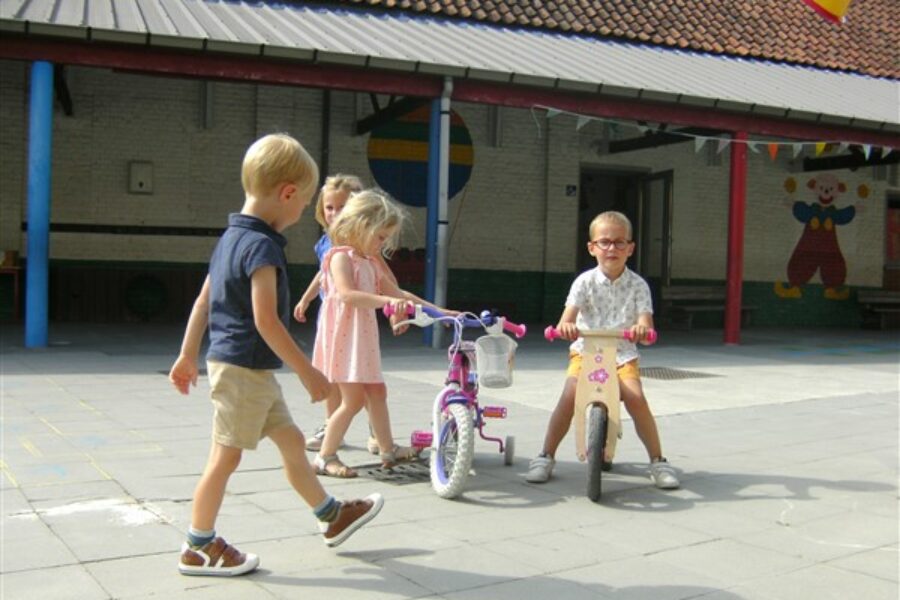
833 10
773 151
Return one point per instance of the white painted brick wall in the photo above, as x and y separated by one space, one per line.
512 215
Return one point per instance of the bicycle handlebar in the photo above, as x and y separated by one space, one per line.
551 333
514 328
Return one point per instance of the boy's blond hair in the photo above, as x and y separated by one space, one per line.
365 214
338 182
614 216
275 159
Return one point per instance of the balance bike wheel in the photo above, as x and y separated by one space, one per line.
596 444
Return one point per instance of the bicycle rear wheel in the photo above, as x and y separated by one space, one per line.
455 448
596 444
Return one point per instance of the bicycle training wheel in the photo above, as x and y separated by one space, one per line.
452 457
596 444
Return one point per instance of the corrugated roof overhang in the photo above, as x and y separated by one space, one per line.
484 60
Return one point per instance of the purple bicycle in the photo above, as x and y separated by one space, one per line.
456 413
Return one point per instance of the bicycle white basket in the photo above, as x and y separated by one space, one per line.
495 355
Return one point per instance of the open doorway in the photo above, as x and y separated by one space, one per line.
646 199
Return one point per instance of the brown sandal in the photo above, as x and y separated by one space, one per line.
397 455
331 466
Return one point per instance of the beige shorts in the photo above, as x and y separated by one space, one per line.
249 404
630 370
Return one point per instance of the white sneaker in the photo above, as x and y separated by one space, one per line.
663 475
539 469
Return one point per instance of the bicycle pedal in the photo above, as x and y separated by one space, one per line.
421 439
494 412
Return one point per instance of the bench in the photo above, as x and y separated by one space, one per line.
681 302
880 308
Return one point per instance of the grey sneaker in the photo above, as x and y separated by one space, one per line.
539 469
663 475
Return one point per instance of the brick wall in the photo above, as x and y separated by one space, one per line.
513 216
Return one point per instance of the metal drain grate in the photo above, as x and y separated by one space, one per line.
402 474
669 373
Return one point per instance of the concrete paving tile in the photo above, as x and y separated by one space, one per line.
458 568
63 583
29 544
642 578
846 534
361 581
151 574
823 583
642 534
533 587
562 550
13 501
732 561
879 562
72 492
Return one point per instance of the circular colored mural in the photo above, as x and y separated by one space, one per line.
398 156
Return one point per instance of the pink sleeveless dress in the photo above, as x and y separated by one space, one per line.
346 348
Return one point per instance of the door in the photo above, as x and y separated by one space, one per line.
653 235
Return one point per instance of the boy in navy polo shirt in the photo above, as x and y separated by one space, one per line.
245 301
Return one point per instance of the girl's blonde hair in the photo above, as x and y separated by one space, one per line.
614 216
335 183
365 214
276 159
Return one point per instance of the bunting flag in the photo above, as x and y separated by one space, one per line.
611 128
699 142
832 10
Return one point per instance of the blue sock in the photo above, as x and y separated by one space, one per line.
327 511
200 537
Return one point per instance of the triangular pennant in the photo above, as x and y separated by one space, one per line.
582 121
552 112
842 147
798 148
723 143
773 150
642 127
752 147
699 142
867 150
820 148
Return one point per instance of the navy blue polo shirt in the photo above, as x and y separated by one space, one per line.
248 244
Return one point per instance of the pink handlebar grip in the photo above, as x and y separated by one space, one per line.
551 333
388 310
515 329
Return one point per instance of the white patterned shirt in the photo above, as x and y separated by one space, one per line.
606 304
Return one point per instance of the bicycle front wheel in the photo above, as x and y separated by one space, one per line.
598 424
455 448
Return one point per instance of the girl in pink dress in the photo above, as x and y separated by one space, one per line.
346 348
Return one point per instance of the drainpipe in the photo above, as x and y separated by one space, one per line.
40 144
736 209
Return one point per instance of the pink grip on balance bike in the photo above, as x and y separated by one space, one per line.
651 336
551 333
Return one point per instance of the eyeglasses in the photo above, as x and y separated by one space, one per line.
605 244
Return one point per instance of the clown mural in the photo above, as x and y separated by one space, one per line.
818 248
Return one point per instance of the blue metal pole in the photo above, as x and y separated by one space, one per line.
431 221
40 140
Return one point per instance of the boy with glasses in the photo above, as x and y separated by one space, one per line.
611 296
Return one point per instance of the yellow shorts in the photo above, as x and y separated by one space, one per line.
630 370
248 404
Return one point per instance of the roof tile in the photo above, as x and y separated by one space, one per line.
781 30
